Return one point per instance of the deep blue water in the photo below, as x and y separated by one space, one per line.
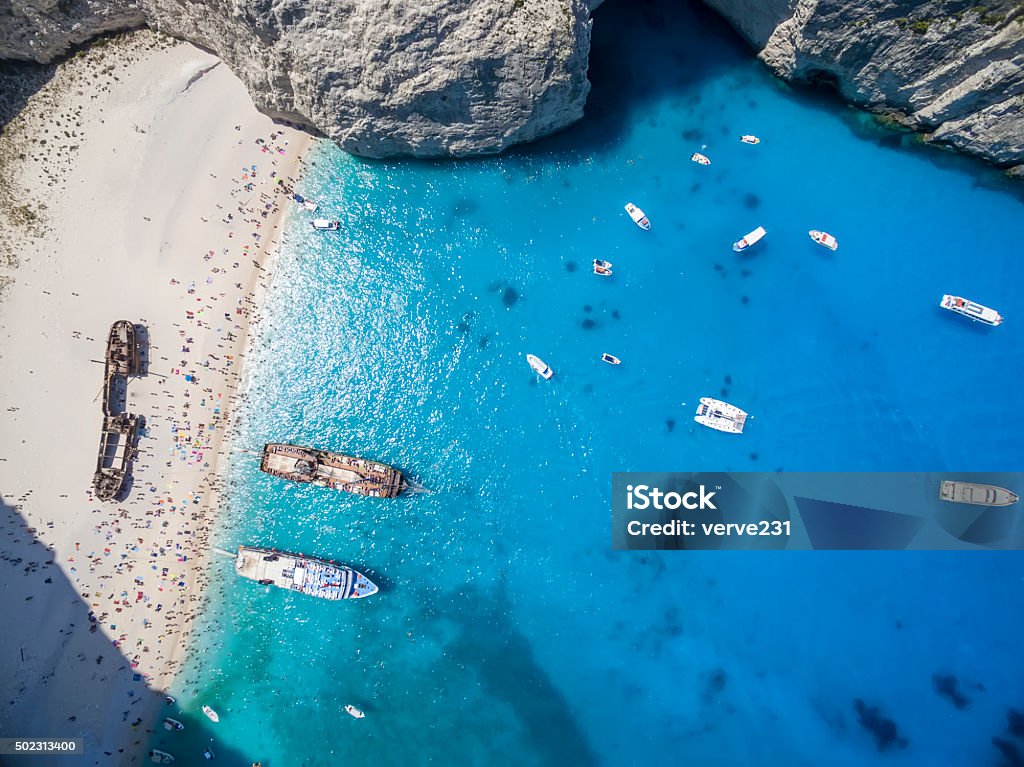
507 632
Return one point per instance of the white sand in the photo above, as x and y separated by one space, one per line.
119 219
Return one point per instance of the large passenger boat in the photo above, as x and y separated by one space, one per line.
981 495
334 470
308 575
971 309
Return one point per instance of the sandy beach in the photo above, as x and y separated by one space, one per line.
141 184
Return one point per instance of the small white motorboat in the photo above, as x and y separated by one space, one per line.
307 204
748 139
611 359
324 225
539 366
638 216
169 700
700 159
750 239
719 415
173 724
602 268
980 495
211 714
160 757
970 309
824 238
354 712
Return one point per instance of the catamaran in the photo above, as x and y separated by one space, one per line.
748 139
750 239
824 238
638 216
307 575
970 309
719 415
324 224
700 159
540 367
980 495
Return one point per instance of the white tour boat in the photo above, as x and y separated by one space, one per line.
539 366
611 359
755 236
325 225
173 724
700 159
719 415
354 712
971 309
638 216
980 495
824 238
211 714
750 139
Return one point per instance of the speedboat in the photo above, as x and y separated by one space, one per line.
970 309
354 712
611 359
638 216
173 724
750 239
160 757
700 159
824 238
539 366
750 139
980 495
211 714
602 268
719 415
324 225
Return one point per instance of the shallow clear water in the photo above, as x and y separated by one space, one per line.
507 632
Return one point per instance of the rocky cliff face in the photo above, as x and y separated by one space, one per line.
461 77
41 30
954 70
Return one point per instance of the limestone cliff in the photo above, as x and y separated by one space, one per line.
954 70
461 77
41 30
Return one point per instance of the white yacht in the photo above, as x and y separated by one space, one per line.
750 239
971 309
539 366
980 495
824 239
719 415
638 216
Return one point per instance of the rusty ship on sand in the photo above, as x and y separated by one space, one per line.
334 470
308 575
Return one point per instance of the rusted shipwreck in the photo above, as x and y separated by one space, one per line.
334 470
120 431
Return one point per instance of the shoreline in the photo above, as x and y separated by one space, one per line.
115 171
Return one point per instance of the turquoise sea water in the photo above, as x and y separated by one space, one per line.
506 631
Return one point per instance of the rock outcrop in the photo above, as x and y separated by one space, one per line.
42 30
953 70
463 77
